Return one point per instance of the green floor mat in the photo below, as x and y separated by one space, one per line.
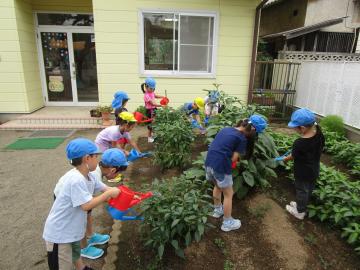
35 143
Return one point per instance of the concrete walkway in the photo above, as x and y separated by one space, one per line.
28 178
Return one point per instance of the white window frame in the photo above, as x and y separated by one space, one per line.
176 73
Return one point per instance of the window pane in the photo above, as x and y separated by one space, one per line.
196 30
65 19
158 41
195 58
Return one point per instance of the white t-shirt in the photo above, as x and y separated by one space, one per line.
108 135
66 222
96 174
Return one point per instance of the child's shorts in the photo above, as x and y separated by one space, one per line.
62 256
221 180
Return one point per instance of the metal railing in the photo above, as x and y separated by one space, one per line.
274 87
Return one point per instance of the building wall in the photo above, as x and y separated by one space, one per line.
20 84
285 15
12 85
117 49
27 42
322 10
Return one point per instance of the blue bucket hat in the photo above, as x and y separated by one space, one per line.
119 97
81 147
258 122
302 117
150 82
114 157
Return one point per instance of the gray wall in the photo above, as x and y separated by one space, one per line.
280 17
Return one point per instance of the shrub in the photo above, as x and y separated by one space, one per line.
178 214
338 201
173 138
333 123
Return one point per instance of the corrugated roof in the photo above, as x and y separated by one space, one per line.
306 29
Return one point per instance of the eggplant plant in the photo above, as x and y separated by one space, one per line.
173 138
177 214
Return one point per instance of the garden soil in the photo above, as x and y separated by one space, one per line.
268 239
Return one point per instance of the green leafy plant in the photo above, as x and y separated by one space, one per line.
177 215
343 151
141 109
220 244
260 211
310 238
338 201
333 123
173 138
228 265
105 109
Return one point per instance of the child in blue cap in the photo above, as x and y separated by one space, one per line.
119 103
306 152
148 88
228 145
66 223
113 162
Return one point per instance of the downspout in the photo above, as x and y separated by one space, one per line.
254 48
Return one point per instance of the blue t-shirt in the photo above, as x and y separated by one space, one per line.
189 109
226 142
66 222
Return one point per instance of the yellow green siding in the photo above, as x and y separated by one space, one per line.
117 48
20 84
12 91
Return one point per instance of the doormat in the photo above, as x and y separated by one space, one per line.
53 133
35 143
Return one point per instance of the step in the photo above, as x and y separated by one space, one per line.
41 123
41 120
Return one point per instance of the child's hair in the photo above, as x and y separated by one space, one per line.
143 85
118 169
124 122
318 131
124 101
78 161
251 137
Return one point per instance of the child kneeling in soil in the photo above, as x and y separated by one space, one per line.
306 152
228 145
109 136
113 161
65 225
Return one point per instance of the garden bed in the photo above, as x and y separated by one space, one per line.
268 238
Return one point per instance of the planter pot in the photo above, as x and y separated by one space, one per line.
106 119
95 113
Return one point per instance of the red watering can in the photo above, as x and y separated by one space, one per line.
140 118
164 101
127 199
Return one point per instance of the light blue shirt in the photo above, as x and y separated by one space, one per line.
66 222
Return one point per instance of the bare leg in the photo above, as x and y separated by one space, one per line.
89 231
79 265
217 195
228 195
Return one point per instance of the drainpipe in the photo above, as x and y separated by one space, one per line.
254 48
